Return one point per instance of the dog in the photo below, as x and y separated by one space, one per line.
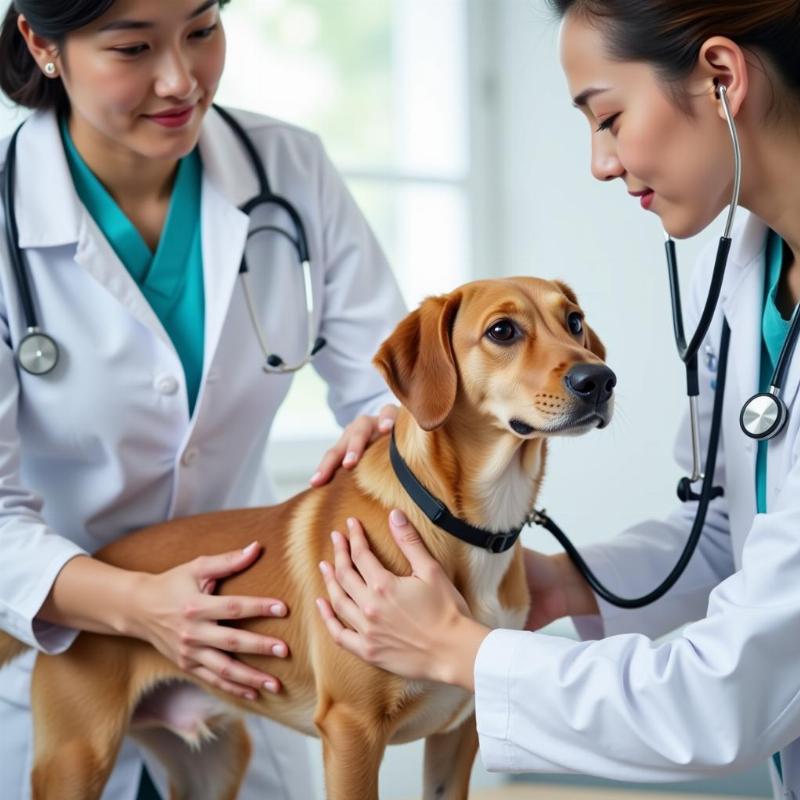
485 375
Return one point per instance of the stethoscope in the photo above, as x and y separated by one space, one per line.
37 352
762 417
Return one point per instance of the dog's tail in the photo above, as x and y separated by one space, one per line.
10 648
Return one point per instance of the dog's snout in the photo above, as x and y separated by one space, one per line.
592 383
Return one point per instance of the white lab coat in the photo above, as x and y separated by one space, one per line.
105 444
725 693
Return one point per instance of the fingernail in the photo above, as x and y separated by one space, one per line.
323 567
386 424
279 650
278 610
351 522
270 687
249 548
250 695
334 536
319 603
397 517
315 477
350 457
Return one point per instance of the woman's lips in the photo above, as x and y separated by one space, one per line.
647 199
173 119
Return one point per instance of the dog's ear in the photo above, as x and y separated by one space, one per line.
593 342
417 360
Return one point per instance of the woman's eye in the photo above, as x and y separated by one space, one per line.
606 124
204 33
134 50
502 331
575 323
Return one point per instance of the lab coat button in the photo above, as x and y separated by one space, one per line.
166 384
189 457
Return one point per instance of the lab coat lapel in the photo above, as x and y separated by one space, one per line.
98 258
47 207
228 181
50 214
742 301
792 380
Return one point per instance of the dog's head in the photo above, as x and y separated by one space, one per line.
517 351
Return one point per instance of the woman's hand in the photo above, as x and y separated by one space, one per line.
352 443
417 626
557 589
177 613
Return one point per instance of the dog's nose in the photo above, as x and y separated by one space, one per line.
592 383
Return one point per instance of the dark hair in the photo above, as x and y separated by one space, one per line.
20 76
668 34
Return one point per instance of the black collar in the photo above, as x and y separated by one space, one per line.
438 513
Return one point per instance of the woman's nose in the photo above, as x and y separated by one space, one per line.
605 164
175 77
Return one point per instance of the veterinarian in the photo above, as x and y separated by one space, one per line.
140 376
724 694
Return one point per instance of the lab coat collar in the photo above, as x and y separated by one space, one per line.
229 180
743 303
225 161
48 209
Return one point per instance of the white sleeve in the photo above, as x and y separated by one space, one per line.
31 554
719 698
361 306
638 560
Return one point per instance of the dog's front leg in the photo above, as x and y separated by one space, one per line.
448 762
352 747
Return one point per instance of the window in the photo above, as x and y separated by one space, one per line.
385 84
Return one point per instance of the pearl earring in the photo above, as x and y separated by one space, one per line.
50 68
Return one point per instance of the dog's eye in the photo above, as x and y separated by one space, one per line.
575 323
502 331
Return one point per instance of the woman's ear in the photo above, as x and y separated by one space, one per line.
722 61
43 50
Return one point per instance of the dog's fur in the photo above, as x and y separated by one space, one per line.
460 389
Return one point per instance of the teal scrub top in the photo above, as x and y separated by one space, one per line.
171 279
774 329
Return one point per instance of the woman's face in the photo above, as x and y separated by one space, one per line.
144 74
680 161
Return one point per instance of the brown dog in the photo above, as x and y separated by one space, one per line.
485 375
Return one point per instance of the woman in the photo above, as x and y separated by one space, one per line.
127 192
722 695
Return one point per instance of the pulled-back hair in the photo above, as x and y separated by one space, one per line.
20 77
668 34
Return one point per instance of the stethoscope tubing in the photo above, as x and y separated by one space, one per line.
37 352
707 494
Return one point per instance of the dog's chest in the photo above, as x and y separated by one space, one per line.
446 707
486 573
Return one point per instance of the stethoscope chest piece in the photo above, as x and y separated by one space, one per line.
37 353
763 416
